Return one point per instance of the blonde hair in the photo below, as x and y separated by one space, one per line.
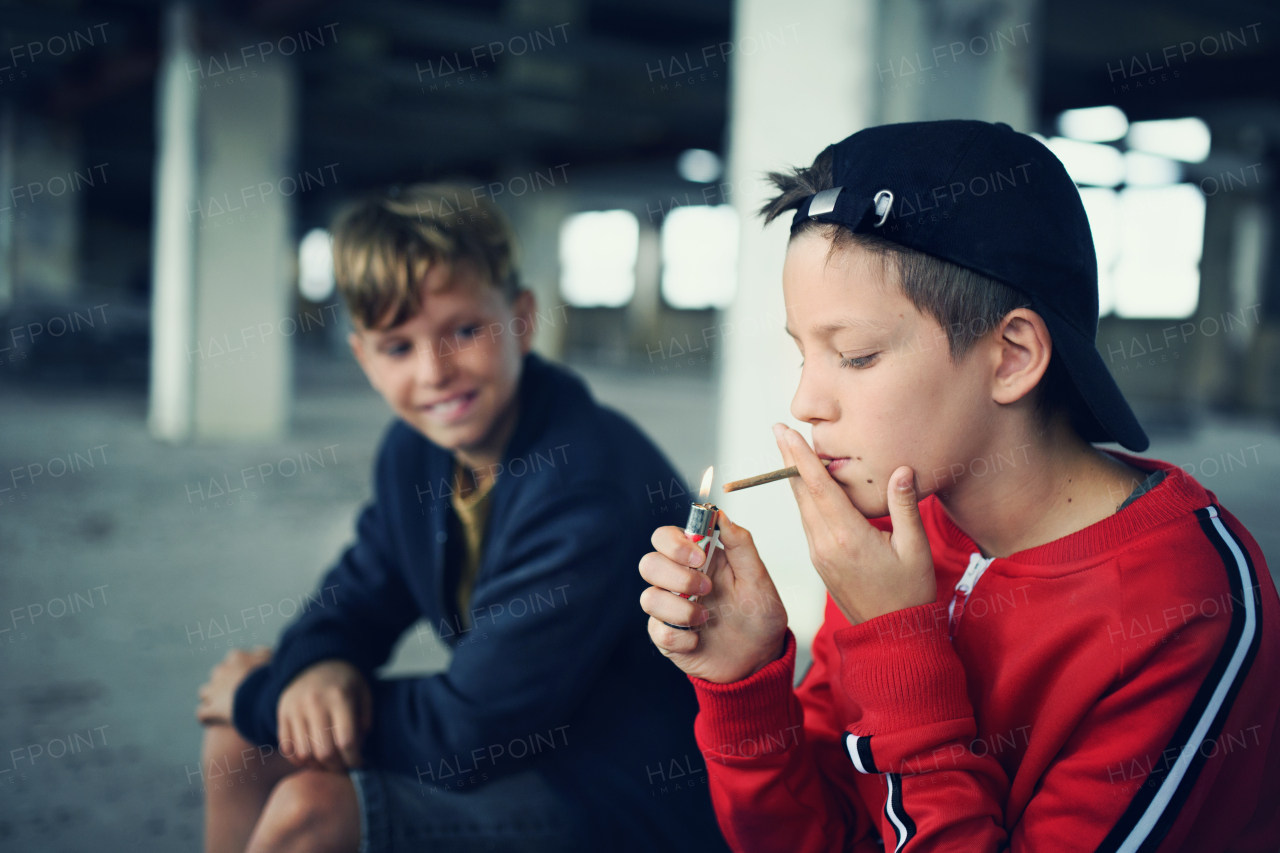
384 245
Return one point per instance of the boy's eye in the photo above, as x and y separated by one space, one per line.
397 348
858 361
468 331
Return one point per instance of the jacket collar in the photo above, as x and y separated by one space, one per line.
544 391
1177 495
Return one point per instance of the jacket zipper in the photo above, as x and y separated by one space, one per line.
977 565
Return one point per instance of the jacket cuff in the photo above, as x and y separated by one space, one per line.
258 696
757 715
901 670
303 651
244 707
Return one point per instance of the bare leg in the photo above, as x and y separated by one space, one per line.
238 779
311 811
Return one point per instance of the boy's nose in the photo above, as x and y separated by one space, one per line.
813 401
434 368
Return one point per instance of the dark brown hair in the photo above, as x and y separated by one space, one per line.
384 245
967 304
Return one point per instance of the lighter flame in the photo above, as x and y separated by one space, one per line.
705 491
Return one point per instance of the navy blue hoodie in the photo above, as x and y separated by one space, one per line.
556 672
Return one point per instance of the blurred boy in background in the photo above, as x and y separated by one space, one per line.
509 509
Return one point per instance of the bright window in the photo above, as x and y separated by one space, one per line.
1161 238
699 165
1149 232
1089 162
598 258
315 265
1185 139
1103 208
1094 124
700 256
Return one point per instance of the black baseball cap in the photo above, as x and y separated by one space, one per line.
998 202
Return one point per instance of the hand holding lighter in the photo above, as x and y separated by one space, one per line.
701 530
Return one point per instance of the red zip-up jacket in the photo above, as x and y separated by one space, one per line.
1113 690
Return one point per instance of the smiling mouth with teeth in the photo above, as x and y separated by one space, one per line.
455 405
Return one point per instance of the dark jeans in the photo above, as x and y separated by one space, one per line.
515 814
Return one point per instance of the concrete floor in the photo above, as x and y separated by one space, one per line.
139 536
147 560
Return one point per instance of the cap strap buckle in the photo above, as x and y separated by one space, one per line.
824 202
884 205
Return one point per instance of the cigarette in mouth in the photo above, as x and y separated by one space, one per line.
761 479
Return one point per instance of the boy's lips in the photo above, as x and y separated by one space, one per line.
833 463
451 409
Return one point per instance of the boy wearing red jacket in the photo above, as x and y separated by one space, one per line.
1043 646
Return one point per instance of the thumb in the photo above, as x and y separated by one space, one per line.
740 549
908 539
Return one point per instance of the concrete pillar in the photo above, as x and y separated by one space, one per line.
645 307
1262 372
42 181
536 219
224 187
810 85
1214 361
7 217
1220 371
173 243
244 264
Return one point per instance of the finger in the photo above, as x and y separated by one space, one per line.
830 501
799 488
662 571
323 750
302 756
286 740
715 566
909 540
345 737
308 741
670 640
740 550
672 609
673 544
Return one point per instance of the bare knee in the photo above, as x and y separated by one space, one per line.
226 758
222 741
231 767
310 810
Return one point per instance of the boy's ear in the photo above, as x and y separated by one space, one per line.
525 307
1024 347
